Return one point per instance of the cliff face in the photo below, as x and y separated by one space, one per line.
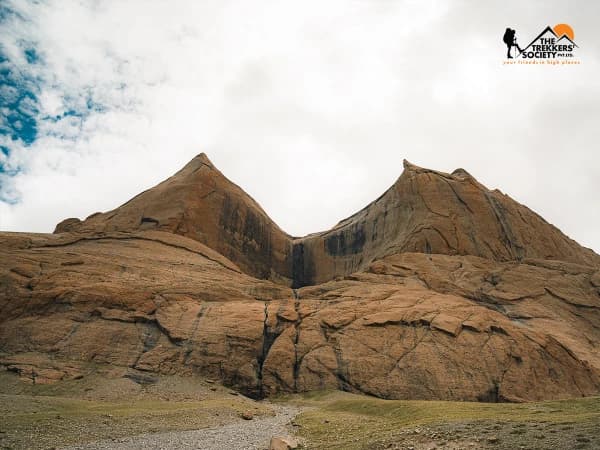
424 211
433 213
200 203
411 325
439 289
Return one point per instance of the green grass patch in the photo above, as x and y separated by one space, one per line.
348 421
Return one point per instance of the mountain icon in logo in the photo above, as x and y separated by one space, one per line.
566 38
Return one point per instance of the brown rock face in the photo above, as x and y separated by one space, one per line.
433 212
282 443
440 289
200 203
424 211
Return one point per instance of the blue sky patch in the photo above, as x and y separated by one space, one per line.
19 90
18 101
31 56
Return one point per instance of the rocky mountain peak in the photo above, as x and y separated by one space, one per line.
425 211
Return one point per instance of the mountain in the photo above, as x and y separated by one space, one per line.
424 211
545 31
200 203
439 289
428 212
565 37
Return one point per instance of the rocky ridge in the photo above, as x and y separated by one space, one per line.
439 289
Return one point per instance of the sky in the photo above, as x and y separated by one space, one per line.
309 106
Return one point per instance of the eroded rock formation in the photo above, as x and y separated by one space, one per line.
200 203
433 212
440 289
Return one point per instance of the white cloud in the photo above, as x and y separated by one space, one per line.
309 106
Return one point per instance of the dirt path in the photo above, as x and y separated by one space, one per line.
247 435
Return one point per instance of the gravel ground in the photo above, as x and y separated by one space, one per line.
252 434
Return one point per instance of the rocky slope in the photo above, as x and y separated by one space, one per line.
434 212
440 289
424 211
200 203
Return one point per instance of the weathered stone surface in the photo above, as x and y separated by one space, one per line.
411 326
200 203
433 212
283 443
482 319
424 211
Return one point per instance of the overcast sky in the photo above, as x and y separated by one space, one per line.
309 106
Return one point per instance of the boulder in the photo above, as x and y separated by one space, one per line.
283 443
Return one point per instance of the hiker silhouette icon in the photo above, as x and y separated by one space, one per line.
511 41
